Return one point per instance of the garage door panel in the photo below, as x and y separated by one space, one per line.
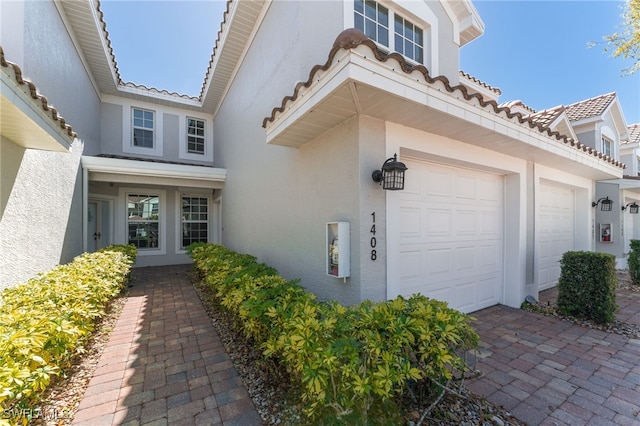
410 222
555 223
439 222
449 236
490 224
466 188
437 184
437 262
466 223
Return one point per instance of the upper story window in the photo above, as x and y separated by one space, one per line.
195 136
143 128
638 165
373 19
607 147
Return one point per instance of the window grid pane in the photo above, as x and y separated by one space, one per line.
373 20
142 128
195 220
408 39
195 136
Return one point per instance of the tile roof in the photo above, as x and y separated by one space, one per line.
517 103
50 111
495 90
590 107
546 117
634 133
352 38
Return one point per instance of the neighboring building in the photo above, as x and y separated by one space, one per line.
281 144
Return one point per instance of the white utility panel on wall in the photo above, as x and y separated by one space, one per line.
338 249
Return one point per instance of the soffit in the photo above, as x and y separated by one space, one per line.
26 117
358 80
90 33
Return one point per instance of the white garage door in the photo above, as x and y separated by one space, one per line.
555 231
445 232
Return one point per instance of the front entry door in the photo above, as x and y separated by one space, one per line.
98 234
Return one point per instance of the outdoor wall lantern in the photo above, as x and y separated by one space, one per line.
633 208
605 204
391 175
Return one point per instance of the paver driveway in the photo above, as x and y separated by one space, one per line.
548 371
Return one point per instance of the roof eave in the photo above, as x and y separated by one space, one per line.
358 80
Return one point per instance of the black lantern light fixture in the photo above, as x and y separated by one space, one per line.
633 207
605 204
391 175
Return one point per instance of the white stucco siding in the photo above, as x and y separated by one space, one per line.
39 215
12 29
53 64
277 200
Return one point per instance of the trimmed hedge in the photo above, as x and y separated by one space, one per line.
634 261
348 365
587 286
45 323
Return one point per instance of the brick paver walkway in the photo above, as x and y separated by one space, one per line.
164 363
547 371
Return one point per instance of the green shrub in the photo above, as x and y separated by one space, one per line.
348 365
587 286
634 261
45 322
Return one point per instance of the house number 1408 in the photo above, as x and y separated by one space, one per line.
374 254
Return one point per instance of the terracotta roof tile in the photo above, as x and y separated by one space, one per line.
225 16
590 108
517 103
351 38
495 90
634 133
33 92
547 116
106 36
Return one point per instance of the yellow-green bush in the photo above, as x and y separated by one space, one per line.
46 321
349 365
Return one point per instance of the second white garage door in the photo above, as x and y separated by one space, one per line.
555 231
445 235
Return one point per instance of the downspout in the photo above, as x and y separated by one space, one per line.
85 207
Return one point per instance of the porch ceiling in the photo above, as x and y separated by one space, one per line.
354 83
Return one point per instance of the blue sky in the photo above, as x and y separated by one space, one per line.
534 51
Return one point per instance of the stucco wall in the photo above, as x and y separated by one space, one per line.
277 200
39 216
52 63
